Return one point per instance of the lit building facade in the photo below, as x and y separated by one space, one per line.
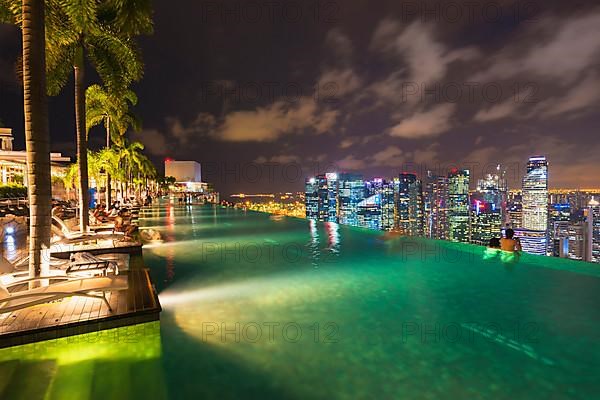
458 206
409 205
311 198
594 220
535 195
532 241
369 212
351 192
13 164
435 206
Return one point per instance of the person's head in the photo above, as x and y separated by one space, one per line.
510 233
494 243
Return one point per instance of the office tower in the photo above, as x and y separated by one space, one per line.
559 223
388 205
514 209
532 241
409 205
435 206
535 195
594 220
321 194
351 192
332 196
311 198
458 206
369 212
486 210
575 241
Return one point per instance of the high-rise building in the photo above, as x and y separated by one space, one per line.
321 197
559 223
486 210
351 192
435 206
409 205
332 196
514 209
535 195
594 220
369 212
458 206
388 206
532 241
311 198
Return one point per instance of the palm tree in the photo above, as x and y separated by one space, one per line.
112 110
88 30
30 16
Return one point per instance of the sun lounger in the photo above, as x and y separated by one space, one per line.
66 287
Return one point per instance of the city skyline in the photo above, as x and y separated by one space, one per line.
443 206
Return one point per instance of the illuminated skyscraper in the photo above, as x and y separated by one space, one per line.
311 198
486 210
351 192
535 195
560 216
532 241
458 206
332 196
369 212
321 194
388 205
409 205
594 215
435 206
514 209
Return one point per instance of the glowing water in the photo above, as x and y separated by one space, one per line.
257 308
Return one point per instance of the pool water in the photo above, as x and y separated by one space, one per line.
255 307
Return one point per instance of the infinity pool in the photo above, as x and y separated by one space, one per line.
259 307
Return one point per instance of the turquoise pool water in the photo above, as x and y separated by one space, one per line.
255 307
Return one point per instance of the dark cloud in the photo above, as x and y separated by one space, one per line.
359 87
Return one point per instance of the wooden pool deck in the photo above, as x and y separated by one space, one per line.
77 315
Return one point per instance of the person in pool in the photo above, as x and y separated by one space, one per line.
510 243
494 243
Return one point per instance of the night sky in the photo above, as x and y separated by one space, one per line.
266 93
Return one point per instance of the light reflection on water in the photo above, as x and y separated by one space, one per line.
369 289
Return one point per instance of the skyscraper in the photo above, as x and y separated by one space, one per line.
594 215
351 192
321 197
535 195
458 205
311 198
435 206
486 210
332 196
409 205
369 212
388 206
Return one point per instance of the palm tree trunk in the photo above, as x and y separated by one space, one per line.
37 139
84 216
108 194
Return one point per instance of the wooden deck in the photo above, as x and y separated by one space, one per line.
77 315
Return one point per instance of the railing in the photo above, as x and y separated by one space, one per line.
14 201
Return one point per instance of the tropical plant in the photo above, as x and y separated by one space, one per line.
94 31
30 16
110 108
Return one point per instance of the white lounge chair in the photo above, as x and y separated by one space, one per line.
68 287
80 265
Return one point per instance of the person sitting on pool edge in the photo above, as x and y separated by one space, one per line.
510 243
